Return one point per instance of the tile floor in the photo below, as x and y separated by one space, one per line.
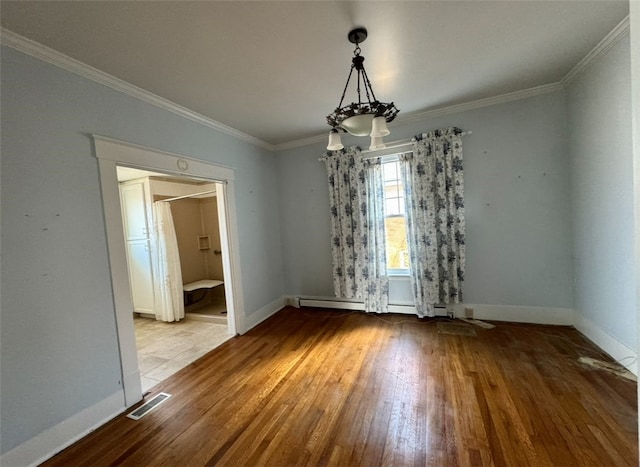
166 348
210 313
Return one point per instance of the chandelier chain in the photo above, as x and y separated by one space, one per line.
345 88
358 90
367 86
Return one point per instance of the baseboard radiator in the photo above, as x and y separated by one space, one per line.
355 305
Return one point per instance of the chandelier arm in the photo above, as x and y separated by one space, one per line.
345 88
368 84
358 90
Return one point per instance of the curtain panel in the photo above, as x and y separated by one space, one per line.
356 200
167 274
434 201
376 297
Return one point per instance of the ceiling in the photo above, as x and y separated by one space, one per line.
274 70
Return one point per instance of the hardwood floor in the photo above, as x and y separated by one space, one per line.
315 387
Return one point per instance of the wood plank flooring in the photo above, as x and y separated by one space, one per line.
317 387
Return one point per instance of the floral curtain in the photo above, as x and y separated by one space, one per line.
376 297
167 275
357 228
434 198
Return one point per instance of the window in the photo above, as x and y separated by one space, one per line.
395 220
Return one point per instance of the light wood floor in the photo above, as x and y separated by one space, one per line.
313 387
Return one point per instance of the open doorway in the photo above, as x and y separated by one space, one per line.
113 153
169 341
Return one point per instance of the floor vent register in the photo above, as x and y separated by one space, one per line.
148 406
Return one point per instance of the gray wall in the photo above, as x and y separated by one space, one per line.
517 205
59 348
599 113
635 118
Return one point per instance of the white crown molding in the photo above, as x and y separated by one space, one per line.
598 51
603 46
42 52
424 115
480 103
37 50
296 143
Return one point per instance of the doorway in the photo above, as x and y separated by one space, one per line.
198 323
112 153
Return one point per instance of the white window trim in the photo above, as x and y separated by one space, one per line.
398 272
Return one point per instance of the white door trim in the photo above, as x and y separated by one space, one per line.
111 152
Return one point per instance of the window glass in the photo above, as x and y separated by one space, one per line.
395 220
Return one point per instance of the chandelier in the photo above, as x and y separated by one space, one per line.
361 118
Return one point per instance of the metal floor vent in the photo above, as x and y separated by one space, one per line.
148 406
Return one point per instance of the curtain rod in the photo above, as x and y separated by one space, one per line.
392 145
371 153
189 196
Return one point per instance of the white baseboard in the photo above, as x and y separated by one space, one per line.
342 304
53 440
325 302
263 313
518 314
620 352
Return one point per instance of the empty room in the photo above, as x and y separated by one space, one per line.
338 233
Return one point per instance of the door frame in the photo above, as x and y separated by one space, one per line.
112 152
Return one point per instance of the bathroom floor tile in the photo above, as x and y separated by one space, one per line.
146 363
166 348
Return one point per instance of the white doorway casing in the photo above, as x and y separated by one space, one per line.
110 153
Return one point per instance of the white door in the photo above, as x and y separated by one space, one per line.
134 211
